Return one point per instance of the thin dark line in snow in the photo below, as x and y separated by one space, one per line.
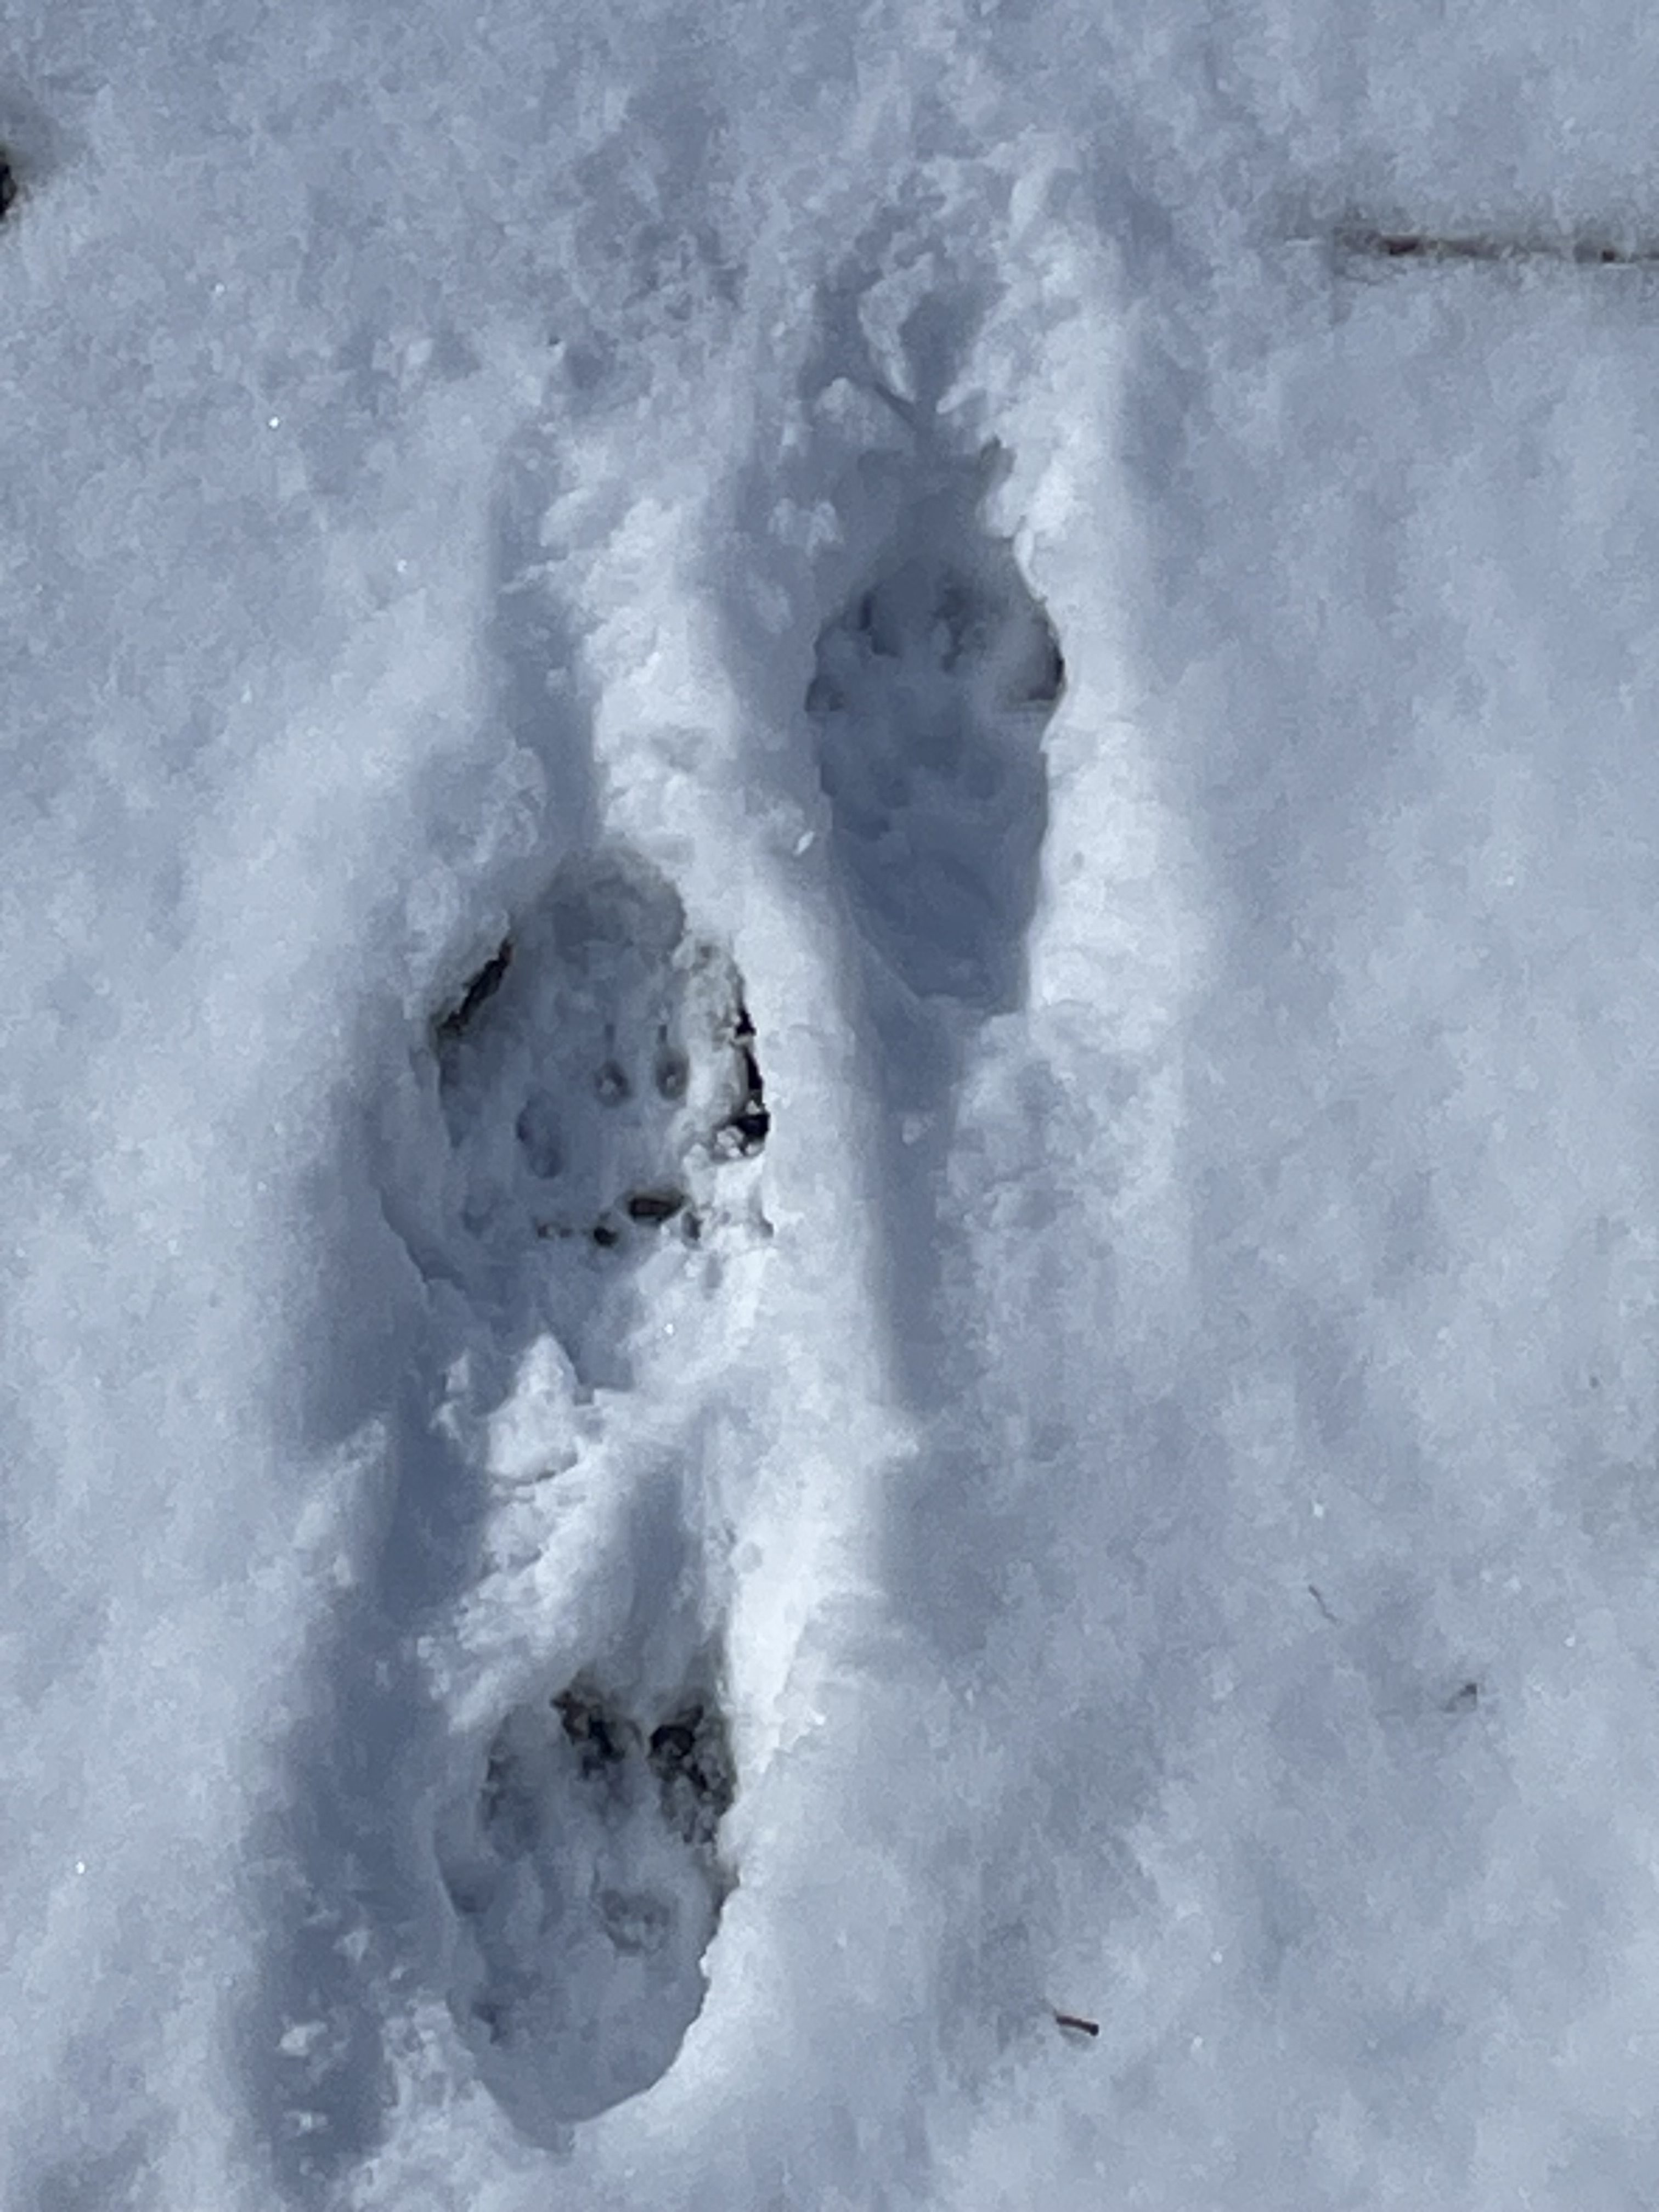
1366 242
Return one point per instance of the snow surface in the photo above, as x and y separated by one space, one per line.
831 1051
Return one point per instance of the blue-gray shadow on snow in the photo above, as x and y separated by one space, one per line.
929 754
342 1871
1282 779
916 725
933 672
931 685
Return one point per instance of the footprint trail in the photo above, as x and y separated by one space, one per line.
603 1107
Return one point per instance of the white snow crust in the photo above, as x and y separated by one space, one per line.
826 907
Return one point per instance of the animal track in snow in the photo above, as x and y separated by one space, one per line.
599 1080
930 694
596 1075
586 1877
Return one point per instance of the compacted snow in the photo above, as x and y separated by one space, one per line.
831 1053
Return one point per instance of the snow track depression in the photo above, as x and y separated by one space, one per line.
829 848
592 1083
597 1075
600 1083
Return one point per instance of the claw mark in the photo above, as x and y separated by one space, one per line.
599 1734
1047 680
538 1131
488 979
611 1084
690 1756
750 1123
673 1069
654 1206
